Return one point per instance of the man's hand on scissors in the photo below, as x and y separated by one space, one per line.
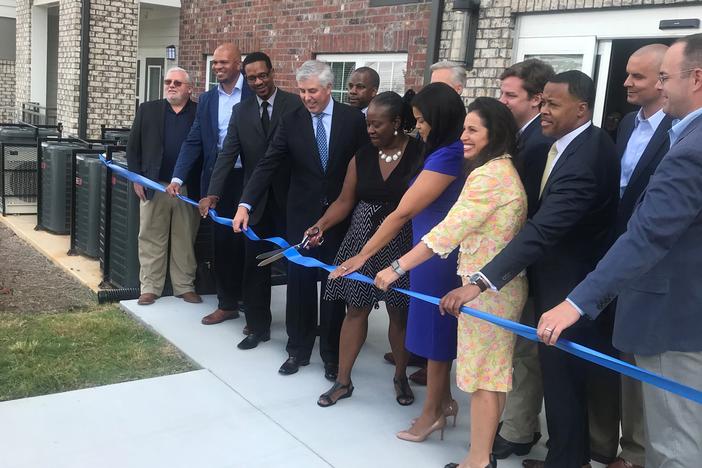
349 266
241 219
314 236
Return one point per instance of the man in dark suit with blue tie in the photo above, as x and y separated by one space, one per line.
252 126
565 237
202 146
653 270
317 142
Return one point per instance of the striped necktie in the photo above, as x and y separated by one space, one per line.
321 137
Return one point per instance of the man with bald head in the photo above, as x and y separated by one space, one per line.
198 155
641 144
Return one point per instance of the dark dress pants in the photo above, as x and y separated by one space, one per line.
301 308
566 379
257 280
229 247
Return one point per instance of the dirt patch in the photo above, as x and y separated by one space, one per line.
29 282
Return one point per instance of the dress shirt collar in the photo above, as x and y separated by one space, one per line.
563 142
327 110
521 130
237 87
679 125
269 100
365 111
655 120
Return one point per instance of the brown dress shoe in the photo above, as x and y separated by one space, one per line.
419 377
191 297
619 462
147 299
219 316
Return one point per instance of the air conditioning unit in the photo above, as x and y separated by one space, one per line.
118 134
54 211
119 237
88 200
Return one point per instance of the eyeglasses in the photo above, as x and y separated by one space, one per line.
175 83
260 76
662 77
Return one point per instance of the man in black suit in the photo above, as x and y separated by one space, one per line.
521 90
158 131
560 244
642 142
253 123
317 143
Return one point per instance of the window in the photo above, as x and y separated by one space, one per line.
390 67
211 78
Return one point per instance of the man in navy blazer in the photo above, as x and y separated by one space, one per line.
316 142
203 144
521 90
560 243
654 270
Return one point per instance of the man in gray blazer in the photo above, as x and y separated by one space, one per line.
653 269
251 127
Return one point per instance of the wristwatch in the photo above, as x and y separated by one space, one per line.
395 265
477 279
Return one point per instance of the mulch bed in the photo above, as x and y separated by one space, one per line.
29 282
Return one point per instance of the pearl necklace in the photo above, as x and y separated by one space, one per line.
388 158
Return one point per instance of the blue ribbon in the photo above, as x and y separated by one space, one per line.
525 331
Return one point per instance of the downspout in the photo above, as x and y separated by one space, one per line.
434 41
83 78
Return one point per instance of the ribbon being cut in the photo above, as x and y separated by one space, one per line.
583 352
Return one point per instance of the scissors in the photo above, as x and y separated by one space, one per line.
270 257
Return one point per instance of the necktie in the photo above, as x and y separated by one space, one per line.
549 167
321 137
265 118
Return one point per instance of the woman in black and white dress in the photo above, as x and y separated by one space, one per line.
376 179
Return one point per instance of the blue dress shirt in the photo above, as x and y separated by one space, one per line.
635 147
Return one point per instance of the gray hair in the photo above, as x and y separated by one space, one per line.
458 71
316 69
182 70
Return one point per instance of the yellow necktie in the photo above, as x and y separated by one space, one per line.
552 153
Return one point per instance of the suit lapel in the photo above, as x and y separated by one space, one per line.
161 118
251 109
659 138
334 134
626 130
213 111
570 149
279 107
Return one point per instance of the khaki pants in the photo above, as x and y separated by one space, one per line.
633 433
520 419
160 217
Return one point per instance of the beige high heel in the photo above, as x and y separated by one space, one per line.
438 425
450 410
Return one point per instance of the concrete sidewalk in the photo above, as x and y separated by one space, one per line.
236 412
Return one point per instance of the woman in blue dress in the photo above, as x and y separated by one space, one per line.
439 111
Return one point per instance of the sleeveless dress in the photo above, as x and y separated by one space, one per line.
376 199
430 334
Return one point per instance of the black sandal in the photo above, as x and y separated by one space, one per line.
403 391
325 399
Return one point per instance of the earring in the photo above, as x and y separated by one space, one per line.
395 132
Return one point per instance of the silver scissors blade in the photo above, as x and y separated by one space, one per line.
270 253
272 258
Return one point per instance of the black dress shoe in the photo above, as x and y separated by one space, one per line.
252 340
503 448
292 365
493 463
331 371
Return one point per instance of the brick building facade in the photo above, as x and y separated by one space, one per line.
292 32
7 90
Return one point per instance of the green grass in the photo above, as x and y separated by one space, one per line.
49 353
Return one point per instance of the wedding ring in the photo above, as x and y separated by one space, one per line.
550 330
344 268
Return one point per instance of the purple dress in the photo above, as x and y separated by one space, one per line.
430 334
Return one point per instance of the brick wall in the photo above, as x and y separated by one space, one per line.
67 100
114 27
292 32
7 90
495 33
23 23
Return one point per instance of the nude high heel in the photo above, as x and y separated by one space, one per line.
450 410
438 425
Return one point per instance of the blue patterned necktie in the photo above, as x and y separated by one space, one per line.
321 137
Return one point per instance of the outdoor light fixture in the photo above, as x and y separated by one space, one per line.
471 8
171 52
